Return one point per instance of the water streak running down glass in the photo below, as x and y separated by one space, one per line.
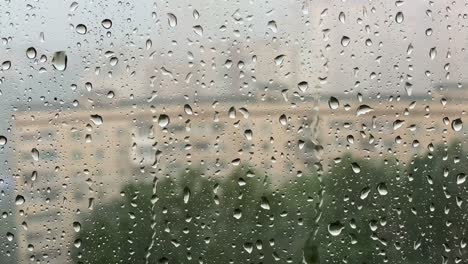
212 132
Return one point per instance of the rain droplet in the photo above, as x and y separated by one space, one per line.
59 60
461 178
364 109
265 204
19 200
149 43
188 109
433 53
6 65
97 119
335 228
399 17
81 29
232 112
248 247
333 103
457 124
106 23
303 86
356 168
198 30
248 134
113 61
77 226
186 195
163 120
345 41
3 140
237 214
272 26
365 192
342 17
171 20
31 53
283 119
279 60
35 154
382 188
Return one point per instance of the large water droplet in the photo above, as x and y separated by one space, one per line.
364 109
77 226
303 86
6 65
19 200
35 154
335 228
433 53
186 195
97 119
59 60
106 23
3 140
171 20
342 17
163 120
457 124
399 17
31 53
333 103
81 29
283 120
345 41
198 30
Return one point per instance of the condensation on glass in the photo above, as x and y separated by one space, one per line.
194 131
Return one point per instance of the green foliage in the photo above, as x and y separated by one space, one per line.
389 212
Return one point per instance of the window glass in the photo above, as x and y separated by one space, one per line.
202 131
